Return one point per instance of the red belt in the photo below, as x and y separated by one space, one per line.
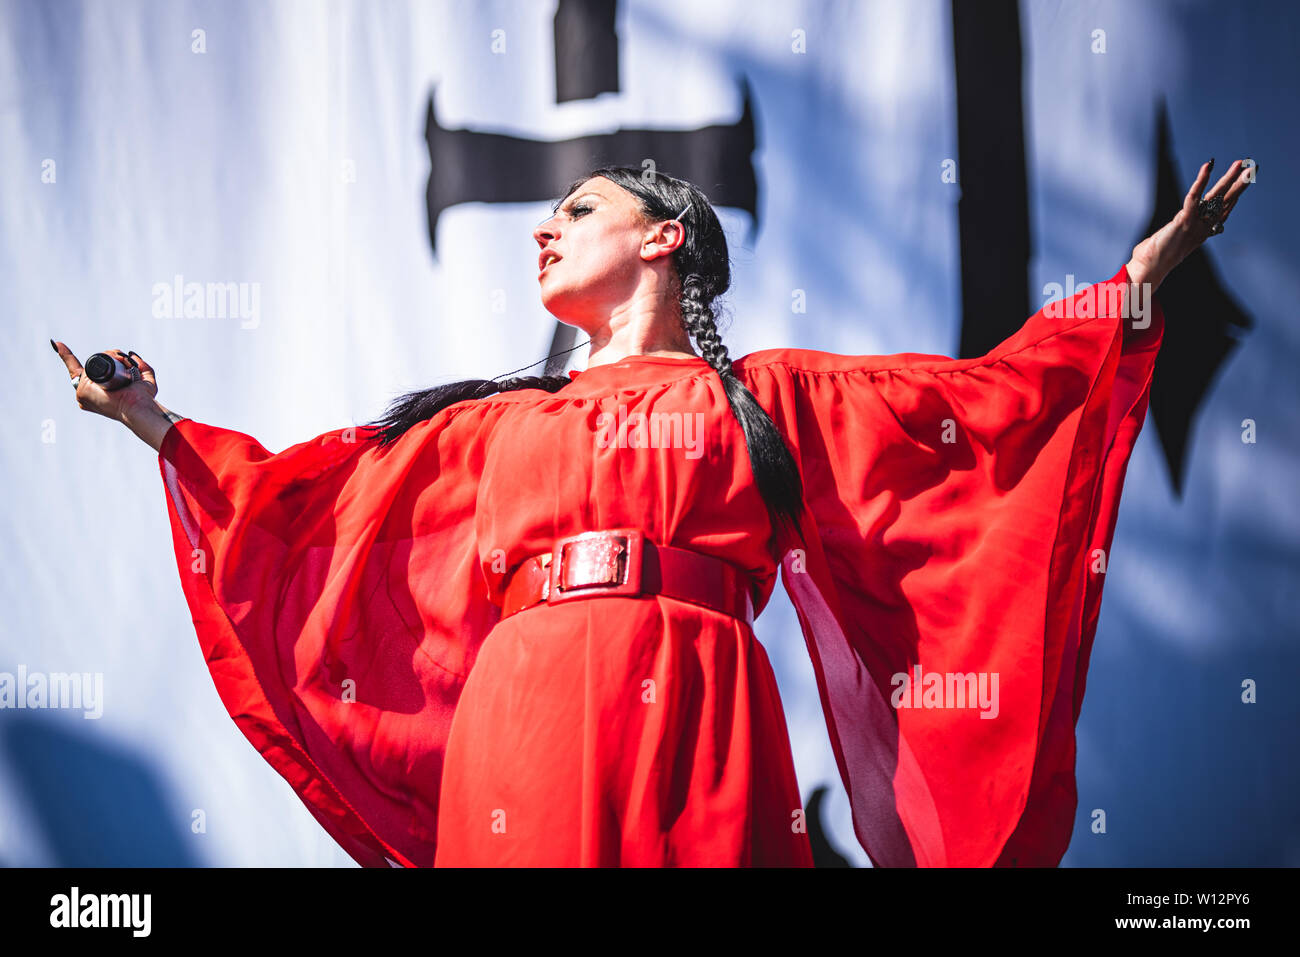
621 561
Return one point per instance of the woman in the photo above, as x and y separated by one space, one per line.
510 623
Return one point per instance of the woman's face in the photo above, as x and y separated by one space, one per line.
603 245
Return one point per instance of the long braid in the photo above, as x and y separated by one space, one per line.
697 315
415 407
774 468
551 383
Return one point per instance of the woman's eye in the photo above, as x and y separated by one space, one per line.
578 210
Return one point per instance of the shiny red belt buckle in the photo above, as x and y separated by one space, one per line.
596 563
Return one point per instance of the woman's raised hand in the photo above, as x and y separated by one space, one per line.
1156 256
133 405
93 397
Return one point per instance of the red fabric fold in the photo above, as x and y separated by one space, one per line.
310 575
955 510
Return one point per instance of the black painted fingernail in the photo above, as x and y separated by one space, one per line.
1211 169
53 346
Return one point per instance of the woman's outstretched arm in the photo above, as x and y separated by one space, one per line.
1157 255
135 405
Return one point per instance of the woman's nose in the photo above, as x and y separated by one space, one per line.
545 231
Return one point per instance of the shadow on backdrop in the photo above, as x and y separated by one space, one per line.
96 804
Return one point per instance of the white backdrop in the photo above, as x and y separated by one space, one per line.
289 155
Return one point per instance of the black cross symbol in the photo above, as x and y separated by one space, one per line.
472 166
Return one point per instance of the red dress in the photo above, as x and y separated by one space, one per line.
948 588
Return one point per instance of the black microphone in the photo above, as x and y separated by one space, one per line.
110 371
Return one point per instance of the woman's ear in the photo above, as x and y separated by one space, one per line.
663 239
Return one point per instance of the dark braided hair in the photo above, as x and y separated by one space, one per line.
414 407
704 271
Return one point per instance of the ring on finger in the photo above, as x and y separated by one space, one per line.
76 379
1211 212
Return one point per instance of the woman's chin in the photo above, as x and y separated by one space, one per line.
557 306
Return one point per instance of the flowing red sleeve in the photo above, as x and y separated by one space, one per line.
960 513
339 603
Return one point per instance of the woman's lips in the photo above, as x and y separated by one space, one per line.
545 258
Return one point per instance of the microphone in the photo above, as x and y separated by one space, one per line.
110 371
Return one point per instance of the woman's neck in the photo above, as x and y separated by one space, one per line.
612 344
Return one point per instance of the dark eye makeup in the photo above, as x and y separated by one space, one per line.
576 211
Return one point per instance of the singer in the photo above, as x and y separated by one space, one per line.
471 634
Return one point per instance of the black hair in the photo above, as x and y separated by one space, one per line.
703 273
